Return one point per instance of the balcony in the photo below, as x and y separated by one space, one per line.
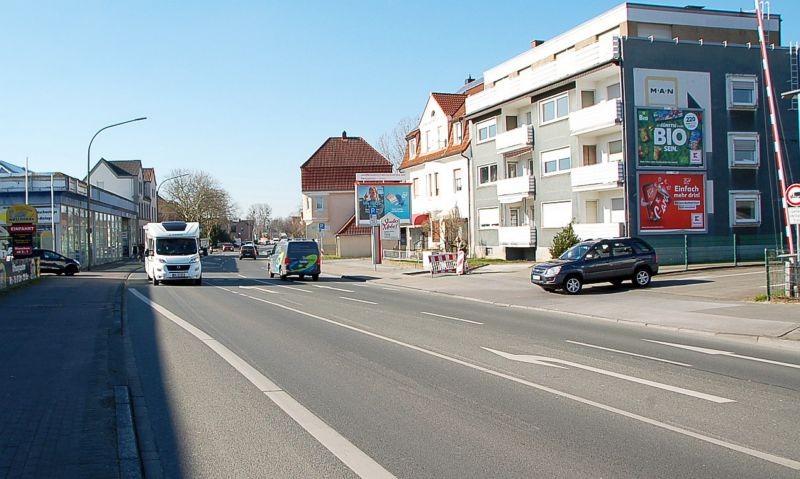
602 176
513 190
586 231
565 66
517 236
600 119
515 139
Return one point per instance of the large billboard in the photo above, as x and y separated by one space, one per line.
669 138
672 201
380 199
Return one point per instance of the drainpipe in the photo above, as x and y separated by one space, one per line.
471 235
625 157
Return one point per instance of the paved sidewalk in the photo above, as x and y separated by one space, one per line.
677 300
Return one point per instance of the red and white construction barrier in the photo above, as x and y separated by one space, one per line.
448 263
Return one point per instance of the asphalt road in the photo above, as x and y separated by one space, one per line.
248 376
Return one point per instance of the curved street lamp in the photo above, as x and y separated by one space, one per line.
89 191
159 187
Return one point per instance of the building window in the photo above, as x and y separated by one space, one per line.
320 203
441 138
513 217
742 92
487 130
745 208
511 169
412 148
488 218
554 108
556 161
613 91
436 184
529 118
427 139
556 215
415 186
487 174
457 179
743 150
458 133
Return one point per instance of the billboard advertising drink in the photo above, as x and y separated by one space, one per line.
382 199
671 201
670 138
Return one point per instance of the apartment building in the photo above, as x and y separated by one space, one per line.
645 120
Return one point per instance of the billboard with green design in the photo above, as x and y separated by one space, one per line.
669 138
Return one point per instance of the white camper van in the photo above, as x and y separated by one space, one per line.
171 252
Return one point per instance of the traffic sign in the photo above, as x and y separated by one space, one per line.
373 210
793 194
323 227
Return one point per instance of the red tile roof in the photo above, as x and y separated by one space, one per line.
439 154
450 102
350 228
334 165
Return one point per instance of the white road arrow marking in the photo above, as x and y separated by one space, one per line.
629 353
717 352
331 287
450 317
543 360
357 300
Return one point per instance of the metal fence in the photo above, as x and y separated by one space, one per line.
690 250
783 275
402 255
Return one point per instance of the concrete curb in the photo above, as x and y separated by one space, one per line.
127 450
762 340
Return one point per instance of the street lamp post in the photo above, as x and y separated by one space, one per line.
89 191
161 184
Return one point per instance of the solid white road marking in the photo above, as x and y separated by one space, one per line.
717 352
259 288
449 317
241 276
782 461
295 289
331 287
357 300
353 457
629 353
543 360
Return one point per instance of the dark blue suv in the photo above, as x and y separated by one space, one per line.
597 261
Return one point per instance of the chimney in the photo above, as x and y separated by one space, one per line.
344 135
536 43
469 80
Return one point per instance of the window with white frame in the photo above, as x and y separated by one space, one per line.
554 109
514 216
487 174
458 133
415 186
412 148
742 92
556 215
457 179
427 140
436 184
511 169
487 130
743 150
613 91
319 202
745 208
556 161
488 218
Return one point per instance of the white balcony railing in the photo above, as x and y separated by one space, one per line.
565 66
514 139
586 231
605 114
602 176
513 190
520 236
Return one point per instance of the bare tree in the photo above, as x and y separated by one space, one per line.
198 197
261 214
392 144
291 226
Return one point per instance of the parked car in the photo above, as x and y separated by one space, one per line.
296 258
248 251
597 261
227 247
52 262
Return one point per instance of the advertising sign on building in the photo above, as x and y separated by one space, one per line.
669 138
671 202
383 199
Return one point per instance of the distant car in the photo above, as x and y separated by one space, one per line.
597 261
248 251
227 247
52 262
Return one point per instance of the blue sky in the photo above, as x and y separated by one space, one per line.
247 91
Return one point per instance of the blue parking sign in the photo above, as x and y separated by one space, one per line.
373 210
322 227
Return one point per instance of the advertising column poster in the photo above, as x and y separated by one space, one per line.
672 202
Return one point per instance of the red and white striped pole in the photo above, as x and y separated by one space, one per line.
773 119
